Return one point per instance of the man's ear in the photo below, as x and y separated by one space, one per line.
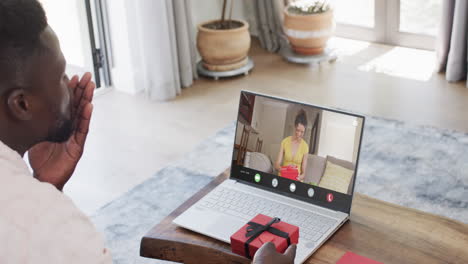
19 105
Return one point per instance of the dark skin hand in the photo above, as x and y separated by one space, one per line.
55 162
267 254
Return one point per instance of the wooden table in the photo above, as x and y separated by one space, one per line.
382 231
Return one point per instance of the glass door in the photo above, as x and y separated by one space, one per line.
85 48
411 23
414 23
358 19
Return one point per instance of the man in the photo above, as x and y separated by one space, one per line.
44 113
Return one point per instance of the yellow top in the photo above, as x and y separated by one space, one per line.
288 158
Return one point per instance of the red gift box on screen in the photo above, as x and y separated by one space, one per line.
289 172
260 230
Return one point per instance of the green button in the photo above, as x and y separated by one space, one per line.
257 177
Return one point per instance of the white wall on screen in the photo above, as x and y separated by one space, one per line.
338 136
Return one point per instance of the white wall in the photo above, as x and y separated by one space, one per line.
271 120
338 136
257 112
68 20
357 139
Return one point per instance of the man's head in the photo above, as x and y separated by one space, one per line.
35 101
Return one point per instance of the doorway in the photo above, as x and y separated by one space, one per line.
81 27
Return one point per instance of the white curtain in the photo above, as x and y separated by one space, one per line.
167 54
452 42
268 15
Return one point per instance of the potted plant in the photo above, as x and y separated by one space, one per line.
308 24
224 43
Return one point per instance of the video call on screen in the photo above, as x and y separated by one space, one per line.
302 143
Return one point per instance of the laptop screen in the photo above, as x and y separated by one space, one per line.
298 150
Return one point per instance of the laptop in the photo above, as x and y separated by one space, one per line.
290 160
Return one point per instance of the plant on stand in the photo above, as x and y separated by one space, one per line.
224 43
308 24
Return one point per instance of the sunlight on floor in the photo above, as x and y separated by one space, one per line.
409 63
402 62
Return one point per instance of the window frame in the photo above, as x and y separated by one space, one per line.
386 28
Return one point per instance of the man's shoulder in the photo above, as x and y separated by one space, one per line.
26 201
46 224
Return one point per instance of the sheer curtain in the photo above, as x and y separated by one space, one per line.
166 55
452 42
269 16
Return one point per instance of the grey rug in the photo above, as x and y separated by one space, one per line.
415 166
127 219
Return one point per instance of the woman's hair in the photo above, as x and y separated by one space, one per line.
21 25
301 118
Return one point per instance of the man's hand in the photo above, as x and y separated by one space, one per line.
55 162
301 177
267 255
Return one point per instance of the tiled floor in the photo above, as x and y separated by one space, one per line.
131 138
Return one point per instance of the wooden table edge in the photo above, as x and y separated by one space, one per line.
167 244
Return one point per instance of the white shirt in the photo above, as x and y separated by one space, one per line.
39 224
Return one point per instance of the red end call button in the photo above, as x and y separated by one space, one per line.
329 197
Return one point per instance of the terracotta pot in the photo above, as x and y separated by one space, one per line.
223 49
308 34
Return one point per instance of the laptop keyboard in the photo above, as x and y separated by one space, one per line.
240 204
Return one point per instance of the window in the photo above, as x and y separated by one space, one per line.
362 12
411 23
419 16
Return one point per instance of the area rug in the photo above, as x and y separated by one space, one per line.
415 166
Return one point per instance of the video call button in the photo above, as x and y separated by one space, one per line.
330 197
274 182
292 187
257 177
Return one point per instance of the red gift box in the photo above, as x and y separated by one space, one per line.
260 230
352 258
290 172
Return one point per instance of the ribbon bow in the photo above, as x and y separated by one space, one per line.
255 229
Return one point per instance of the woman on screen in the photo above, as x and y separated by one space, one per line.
292 157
